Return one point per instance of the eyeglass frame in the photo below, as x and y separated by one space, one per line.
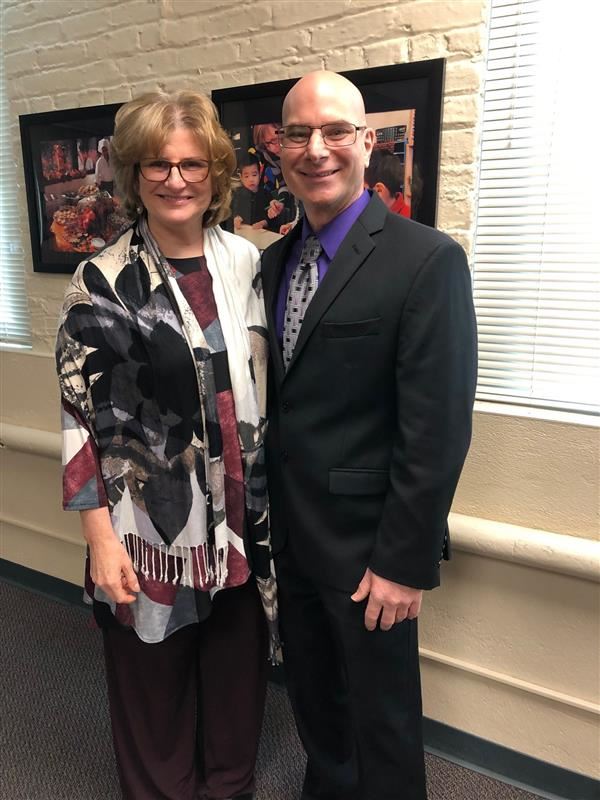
311 128
178 165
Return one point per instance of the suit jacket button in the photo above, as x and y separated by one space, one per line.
284 455
285 406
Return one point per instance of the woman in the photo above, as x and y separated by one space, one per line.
267 151
161 357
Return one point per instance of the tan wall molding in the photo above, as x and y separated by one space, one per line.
510 680
553 552
32 352
32 527
30 440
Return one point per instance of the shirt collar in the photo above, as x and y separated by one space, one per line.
333 234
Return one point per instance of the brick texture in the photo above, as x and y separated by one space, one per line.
61 54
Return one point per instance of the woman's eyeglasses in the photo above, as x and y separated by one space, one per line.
334 134
192 170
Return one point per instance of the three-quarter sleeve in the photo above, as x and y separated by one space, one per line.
83 486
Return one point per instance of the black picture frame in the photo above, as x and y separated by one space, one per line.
418 86
54 158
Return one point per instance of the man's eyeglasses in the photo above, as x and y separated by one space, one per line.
335 134
192 170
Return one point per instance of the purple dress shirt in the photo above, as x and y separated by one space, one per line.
330 237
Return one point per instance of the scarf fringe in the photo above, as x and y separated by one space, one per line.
202 567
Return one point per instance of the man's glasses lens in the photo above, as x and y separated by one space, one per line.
336 134
191 170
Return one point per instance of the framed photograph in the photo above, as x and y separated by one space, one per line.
73 207
404 106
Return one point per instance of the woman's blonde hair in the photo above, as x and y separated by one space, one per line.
142 127
260 133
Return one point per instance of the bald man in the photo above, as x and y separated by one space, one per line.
372 380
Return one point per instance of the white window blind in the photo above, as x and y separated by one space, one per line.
14 314
536 273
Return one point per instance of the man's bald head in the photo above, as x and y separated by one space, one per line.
322 85
326 174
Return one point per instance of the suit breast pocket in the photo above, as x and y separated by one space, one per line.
351 345
352 329
358 481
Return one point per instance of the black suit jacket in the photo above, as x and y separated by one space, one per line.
370 425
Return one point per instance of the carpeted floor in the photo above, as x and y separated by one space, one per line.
54 730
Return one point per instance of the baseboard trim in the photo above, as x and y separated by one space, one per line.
528 773
546 780
39 582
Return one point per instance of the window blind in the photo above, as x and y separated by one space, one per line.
536 276
14 313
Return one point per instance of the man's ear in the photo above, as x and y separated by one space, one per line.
369 141
379 187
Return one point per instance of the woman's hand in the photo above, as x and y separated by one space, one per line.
260 225
237 222
110 566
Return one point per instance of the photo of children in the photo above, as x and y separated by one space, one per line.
251 202
385 175
391 170
267 150
263 209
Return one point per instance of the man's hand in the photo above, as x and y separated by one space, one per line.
392 601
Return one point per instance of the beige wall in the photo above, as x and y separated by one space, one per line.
509 649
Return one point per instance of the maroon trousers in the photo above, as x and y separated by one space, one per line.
186 713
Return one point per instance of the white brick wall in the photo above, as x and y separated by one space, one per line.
61 54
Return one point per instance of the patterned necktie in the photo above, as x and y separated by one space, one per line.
303 285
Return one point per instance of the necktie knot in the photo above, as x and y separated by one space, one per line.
310 251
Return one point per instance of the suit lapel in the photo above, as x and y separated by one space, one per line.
271 292
350 256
